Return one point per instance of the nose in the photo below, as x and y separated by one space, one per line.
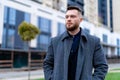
68 18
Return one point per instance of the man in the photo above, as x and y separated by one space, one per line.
74 54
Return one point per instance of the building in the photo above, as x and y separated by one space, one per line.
54 4
91 12
49 19
103 13
110 41
99 21
79 3
116 15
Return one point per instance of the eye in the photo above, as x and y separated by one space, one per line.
72 16
66 17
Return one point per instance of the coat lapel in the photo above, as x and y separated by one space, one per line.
80 61
67 47
81 54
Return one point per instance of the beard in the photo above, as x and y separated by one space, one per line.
72 28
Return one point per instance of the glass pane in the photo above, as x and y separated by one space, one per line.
44 39
4 38
118 49
61 28
5 14
104 38
27 17
10 39
12 16
105 50
118 42
45 24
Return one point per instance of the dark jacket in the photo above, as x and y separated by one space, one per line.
90 56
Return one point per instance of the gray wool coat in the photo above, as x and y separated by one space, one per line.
91 61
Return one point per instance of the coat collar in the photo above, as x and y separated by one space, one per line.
83 35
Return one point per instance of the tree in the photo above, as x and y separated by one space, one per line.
28 32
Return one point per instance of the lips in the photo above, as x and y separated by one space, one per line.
69 23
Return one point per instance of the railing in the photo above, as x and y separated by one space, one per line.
6 63
36 63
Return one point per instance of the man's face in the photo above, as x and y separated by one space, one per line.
72 20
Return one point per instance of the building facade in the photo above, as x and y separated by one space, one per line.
13 50
79 3
110 41
54 4
103 13
50 20
31 12
91 12
116 15
104 16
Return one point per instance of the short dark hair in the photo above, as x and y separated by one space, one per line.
74 7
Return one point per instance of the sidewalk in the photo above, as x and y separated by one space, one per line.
114 66
21 75
36 74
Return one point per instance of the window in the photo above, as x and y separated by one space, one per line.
61 28
44 39
44 24
45 28
12 16
102 10
4 38
118 48
27 17
10 38
105 49
105 38
5 14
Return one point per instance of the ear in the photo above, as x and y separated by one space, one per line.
81 19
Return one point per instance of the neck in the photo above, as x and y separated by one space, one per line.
74 32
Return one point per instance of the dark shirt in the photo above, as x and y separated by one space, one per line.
72 63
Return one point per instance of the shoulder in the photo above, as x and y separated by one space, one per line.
57 39
92 38
88 37
93 41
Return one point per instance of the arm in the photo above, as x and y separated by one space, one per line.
48 64
99 62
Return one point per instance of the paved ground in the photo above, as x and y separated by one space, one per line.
23 75
113 66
